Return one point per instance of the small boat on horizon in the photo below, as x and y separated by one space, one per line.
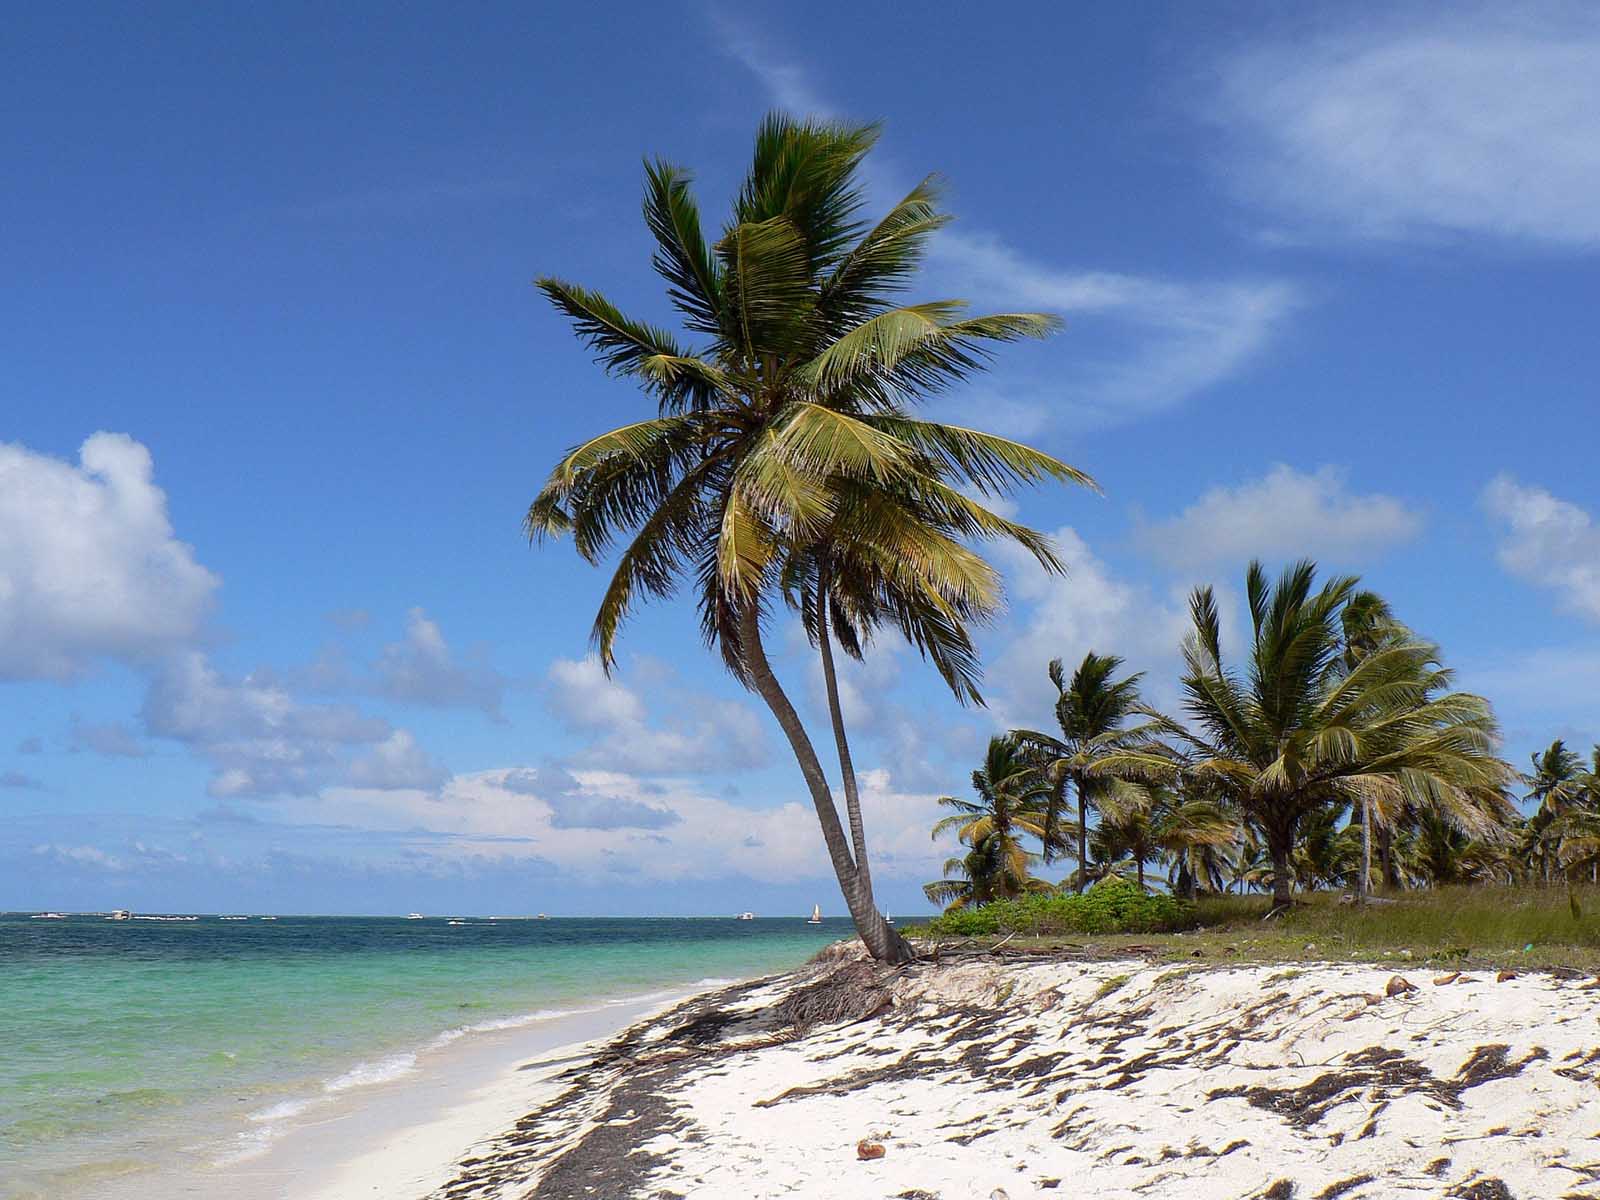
816 915
120 914
414 916
49 916
745 916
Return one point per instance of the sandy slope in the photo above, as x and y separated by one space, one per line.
1084 1079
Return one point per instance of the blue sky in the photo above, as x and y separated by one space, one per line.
278 392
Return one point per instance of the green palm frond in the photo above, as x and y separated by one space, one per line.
766 283
682 258
994 465
884 261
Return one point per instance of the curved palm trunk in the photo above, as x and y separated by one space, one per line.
880 938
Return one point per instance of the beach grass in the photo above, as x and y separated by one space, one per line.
1509 927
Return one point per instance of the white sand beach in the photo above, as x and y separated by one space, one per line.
995 1078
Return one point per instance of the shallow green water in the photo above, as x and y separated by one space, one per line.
125 1045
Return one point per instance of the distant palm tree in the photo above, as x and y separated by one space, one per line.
1009 808
1163 825
1252 869
1557 784
784 458
1368 622
1091 710
1299 731
1326 854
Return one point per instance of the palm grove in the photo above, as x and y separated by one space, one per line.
785 471
1331 752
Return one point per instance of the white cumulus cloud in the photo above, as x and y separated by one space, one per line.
422 669
693 733
1549 542
90 568
1285 514
1065 617
259 739
394 763
608 824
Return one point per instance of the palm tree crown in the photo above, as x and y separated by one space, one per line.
1090 710
1302 729
997 865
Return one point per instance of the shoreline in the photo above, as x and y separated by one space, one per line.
995 1077
401 1134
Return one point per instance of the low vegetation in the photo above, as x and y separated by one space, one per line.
1114 906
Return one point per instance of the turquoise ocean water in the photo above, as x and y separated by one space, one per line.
134 1044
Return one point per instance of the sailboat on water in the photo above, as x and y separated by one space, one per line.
816 915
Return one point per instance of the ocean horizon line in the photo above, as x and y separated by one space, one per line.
135 914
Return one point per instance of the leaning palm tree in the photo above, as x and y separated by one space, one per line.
784 457
1091 710
1299 731
998 865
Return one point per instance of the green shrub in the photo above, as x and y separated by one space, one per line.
1111 906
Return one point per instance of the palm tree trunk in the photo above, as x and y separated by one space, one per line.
847 768
1364 884
1279 845
1386 856
1141 874
883 942
1083 834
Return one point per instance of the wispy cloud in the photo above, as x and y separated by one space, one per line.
1157 340
1172 338
788 83
1461 120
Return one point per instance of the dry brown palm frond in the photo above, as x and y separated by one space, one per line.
853 992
